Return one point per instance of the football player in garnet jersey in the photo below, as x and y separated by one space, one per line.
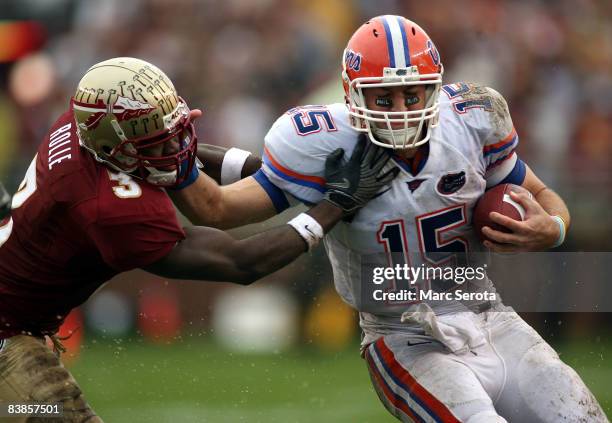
443 361
93 204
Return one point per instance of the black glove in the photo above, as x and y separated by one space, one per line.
5 203
350 186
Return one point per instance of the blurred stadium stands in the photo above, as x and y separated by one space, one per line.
249 61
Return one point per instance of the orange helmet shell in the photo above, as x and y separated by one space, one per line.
392 51
389 42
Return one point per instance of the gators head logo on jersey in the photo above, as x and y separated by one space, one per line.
451 182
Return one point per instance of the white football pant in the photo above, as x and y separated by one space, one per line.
501 370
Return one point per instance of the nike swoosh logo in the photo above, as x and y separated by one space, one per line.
412 344
342 185
308 229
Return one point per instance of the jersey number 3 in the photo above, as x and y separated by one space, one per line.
127 188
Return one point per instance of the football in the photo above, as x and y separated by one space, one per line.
498 200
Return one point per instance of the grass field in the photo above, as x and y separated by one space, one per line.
196 381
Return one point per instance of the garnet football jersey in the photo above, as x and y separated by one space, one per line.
75 223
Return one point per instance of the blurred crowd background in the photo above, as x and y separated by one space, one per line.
245 62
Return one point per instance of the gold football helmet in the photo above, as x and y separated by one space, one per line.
130 118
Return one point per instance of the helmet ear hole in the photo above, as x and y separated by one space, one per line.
107 149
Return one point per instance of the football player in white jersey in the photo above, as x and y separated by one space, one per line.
428 363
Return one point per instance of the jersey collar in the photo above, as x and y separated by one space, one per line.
415 164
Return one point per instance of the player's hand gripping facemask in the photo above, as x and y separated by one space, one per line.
389 51
130 118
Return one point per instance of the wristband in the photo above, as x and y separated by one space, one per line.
561 224
191 178
231 167
308 228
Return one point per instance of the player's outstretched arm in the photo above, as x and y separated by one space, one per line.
206 203
210 254
214 255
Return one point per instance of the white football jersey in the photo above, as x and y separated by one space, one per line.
424 215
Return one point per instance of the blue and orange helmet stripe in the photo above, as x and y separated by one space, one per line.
397 41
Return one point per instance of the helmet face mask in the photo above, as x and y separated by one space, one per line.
130 118
391 51
160 169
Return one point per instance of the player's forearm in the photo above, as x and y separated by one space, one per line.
553 204
213 255
201 202
550 201
205 203
326 214
209 254
271 250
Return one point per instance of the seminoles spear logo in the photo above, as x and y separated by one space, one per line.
123 109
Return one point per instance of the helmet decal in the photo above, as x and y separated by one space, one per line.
433 52
352 60
123 109
98 112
